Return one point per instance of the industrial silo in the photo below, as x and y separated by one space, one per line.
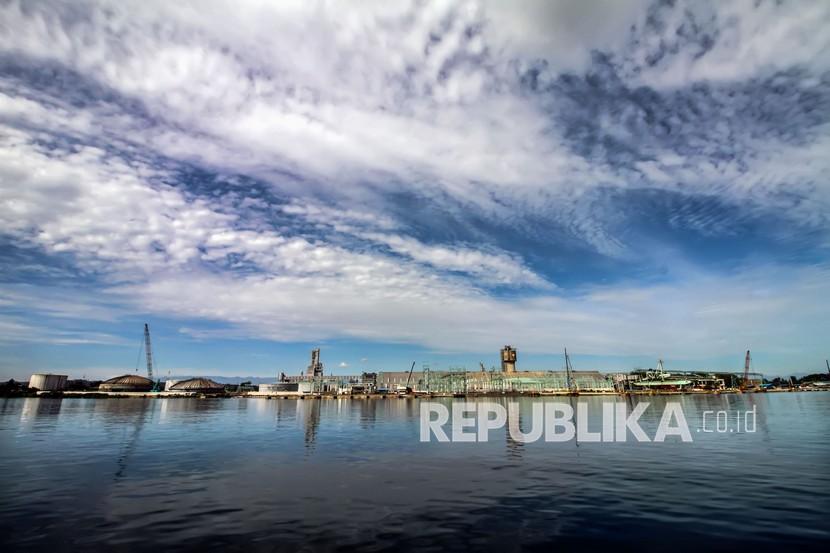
48 382
198 385
127 383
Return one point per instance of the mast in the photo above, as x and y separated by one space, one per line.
149 351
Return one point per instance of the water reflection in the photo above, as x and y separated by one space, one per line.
45 409
514 420
140 415
310 414
231 474
368 412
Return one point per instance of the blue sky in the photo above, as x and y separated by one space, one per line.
394 182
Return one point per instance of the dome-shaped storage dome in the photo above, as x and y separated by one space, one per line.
201 385
127 383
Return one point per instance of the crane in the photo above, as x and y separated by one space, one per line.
569 372
480 364
827 362
149 351
408 389
747 361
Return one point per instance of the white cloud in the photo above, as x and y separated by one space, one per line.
341 107
564 33
746 39
395 97
490 267
395 110
776 309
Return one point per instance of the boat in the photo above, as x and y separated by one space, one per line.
659 379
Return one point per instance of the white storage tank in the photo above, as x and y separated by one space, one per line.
46 382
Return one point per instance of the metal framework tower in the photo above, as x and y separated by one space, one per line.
149 350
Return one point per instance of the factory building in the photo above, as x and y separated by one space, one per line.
460 381
197 385
508 380
127 383
46 382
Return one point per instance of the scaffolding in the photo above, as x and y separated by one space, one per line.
460 381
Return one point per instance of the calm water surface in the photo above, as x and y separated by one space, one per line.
273 475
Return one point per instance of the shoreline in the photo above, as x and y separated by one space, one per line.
94 394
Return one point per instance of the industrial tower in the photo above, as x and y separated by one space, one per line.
315 369
508 359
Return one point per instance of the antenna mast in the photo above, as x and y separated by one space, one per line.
149 351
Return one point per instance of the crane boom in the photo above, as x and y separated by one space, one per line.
569 371
409 378
149 351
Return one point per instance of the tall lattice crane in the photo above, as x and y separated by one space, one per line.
149 350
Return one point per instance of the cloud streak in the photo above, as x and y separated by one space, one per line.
440 175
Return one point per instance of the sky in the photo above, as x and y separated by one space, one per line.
413 181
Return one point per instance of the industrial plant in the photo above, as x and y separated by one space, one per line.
507 378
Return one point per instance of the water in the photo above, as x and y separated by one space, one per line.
274 475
